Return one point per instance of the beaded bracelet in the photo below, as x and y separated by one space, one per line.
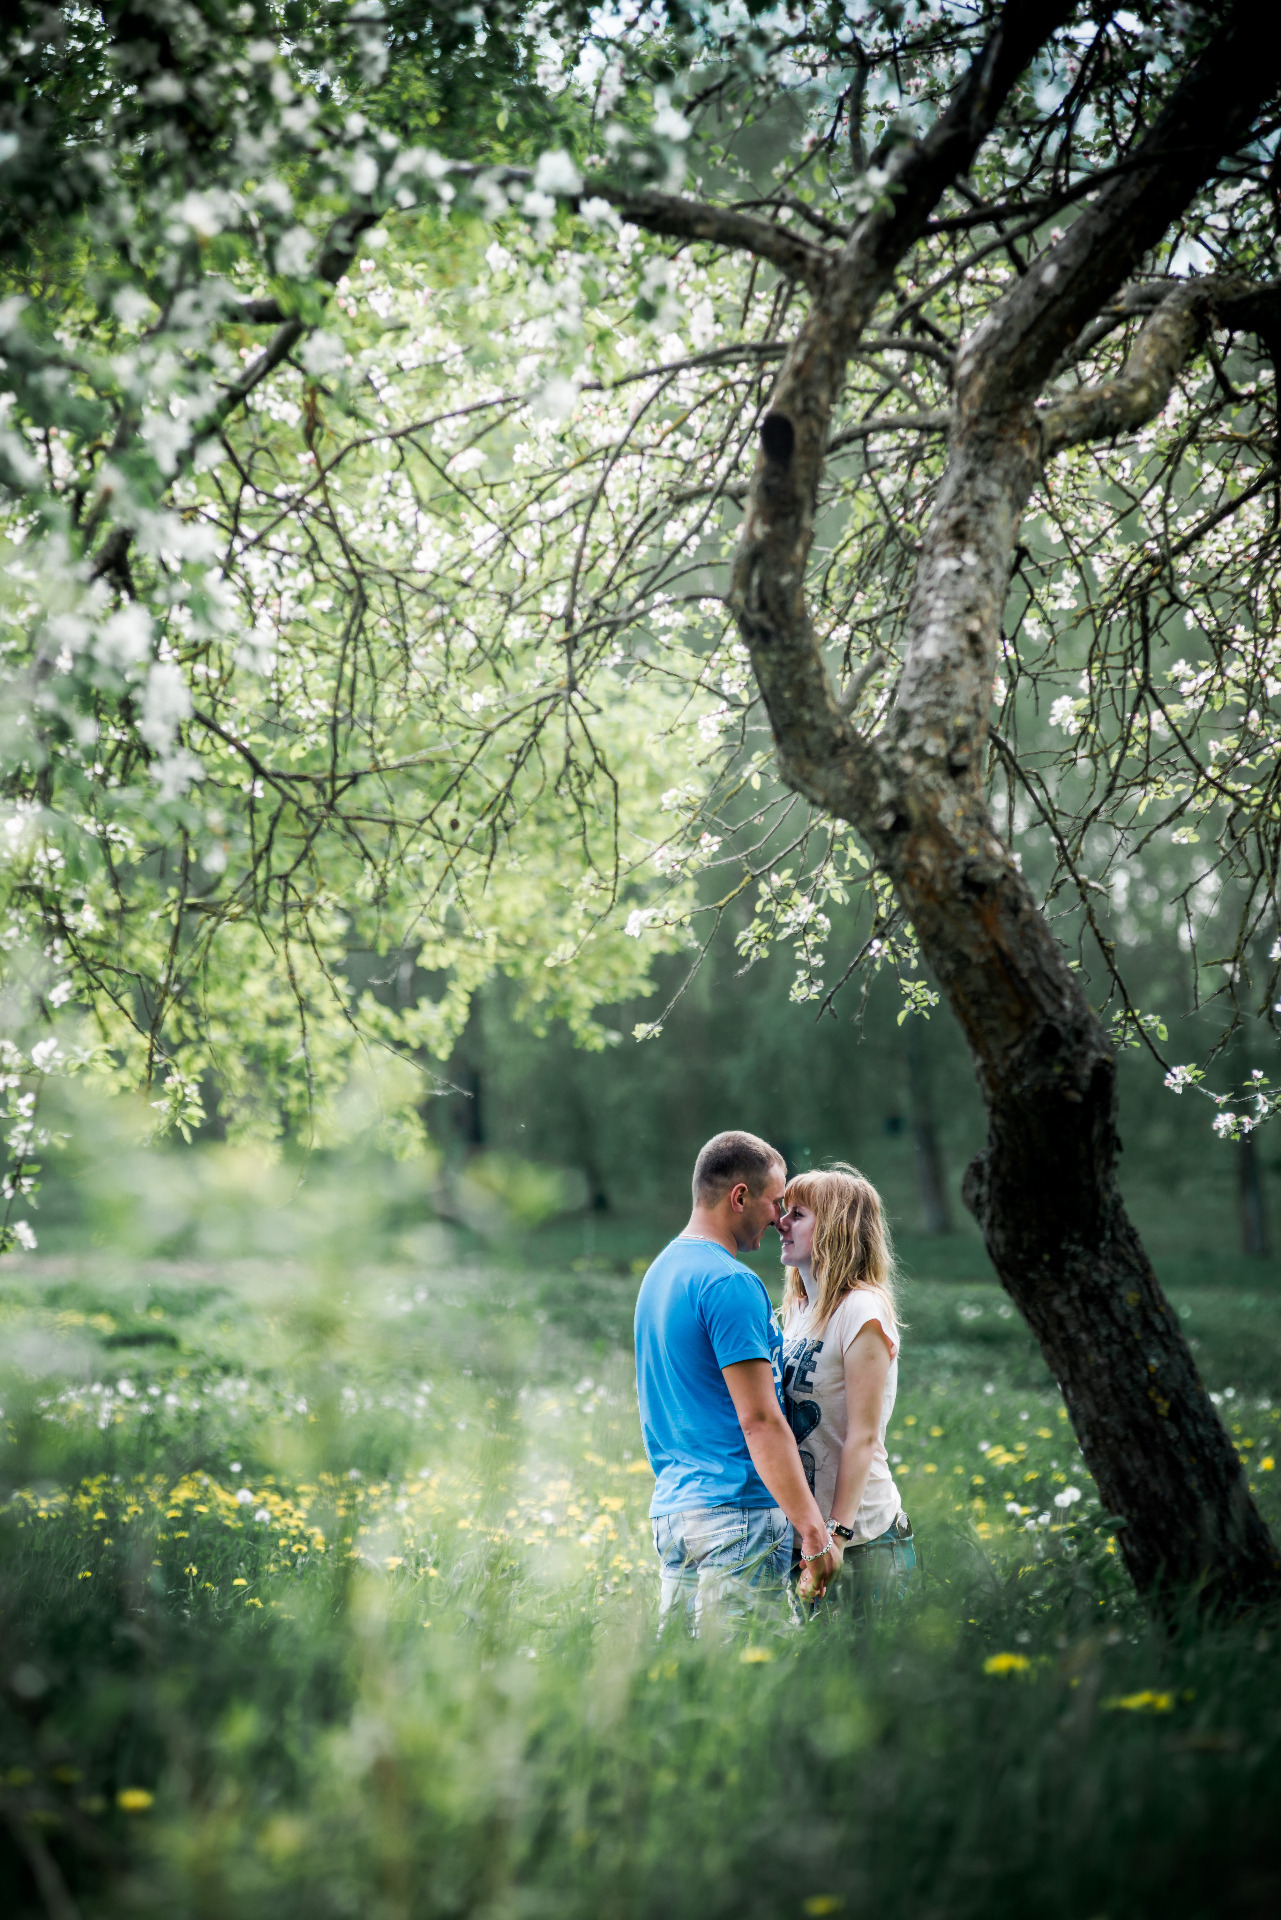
822 1550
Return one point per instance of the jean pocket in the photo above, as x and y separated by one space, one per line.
714 1530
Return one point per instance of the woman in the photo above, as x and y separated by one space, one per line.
840 1375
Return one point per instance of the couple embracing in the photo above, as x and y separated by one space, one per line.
768 1447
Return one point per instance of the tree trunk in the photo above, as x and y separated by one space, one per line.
936 1214
1045 1194
1045 1191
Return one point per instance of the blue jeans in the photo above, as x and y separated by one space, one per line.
726 1558
872 1574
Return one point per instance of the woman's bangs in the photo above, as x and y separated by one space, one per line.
804 1190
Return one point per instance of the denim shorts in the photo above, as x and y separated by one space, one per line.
726 1558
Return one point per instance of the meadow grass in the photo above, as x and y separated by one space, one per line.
328 1590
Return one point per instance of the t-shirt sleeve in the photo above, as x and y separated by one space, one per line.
867 1306
736 1312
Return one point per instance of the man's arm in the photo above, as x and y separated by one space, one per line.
775 1457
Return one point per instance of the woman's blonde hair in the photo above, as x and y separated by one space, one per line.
852 1246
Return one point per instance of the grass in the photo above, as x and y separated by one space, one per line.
328 1590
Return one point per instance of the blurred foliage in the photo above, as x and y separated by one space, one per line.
327 1587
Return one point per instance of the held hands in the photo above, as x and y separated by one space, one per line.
818 1573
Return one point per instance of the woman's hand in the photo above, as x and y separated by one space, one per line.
818 1575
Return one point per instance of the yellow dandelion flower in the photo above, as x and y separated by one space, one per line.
1267 1464
1007 1663
1145 1702
821 1903
240 1583
756 1657
134 1799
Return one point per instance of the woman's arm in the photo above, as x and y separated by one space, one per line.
775 1457
867 1366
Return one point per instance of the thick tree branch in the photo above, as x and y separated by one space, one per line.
849 699
681 218
1167 341
1210 112
284 340
336 255
819 753
1142 387
937 421
940 711
1143 297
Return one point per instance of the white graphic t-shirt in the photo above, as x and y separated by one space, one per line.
814 1386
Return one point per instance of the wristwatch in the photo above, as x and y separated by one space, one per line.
843 1533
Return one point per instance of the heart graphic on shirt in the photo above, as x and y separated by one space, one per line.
804 1416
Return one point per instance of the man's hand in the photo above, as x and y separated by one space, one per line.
775 1457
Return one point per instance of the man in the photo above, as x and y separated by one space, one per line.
729 1485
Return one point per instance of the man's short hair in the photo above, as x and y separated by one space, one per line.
729 1158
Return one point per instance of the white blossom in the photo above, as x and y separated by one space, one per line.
322 353
671 124
166 703
598 213
125 638
293 254
174 774
556 173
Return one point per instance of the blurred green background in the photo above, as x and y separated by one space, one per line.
326 1583
854 1085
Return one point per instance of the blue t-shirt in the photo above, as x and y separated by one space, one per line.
700 1310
